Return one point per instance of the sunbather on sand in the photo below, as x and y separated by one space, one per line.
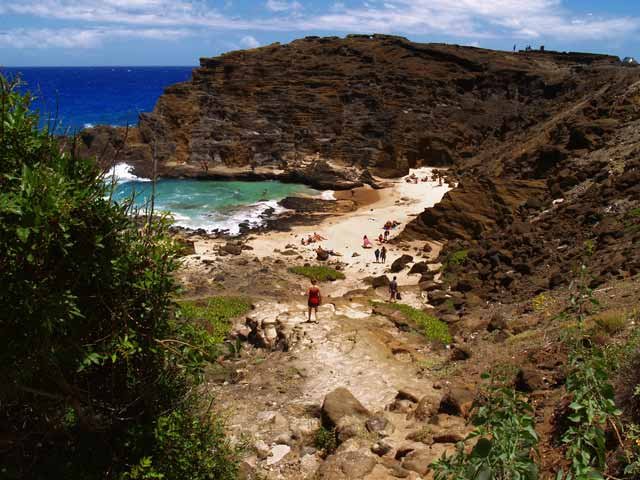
366 243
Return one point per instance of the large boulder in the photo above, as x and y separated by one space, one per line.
347 466
419 267
381 281
437 297
429 286
322 255
340 404
457 401
400 263
232 248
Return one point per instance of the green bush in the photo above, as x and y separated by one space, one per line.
187 447
318 273
456 258
325 440
89 360
505 440
431 327
591 410
214 314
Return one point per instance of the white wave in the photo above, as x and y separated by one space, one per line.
88 125
253 215
328 195
122 172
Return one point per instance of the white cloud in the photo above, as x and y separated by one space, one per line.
471 19
283 5
79 38
249 42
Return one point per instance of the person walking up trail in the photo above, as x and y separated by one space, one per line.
393 290
377 254
383 254
313 299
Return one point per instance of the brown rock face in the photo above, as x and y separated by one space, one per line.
325 110
475 206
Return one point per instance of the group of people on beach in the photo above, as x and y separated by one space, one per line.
413 178
312 239
383 237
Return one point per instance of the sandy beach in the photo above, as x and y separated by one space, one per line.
398 200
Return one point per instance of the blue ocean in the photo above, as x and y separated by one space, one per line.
80 97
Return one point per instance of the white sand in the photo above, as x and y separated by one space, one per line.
401 202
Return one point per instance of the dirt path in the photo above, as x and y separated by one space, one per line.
274 400
271 395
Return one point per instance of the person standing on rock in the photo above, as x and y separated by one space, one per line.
383 254
313 299
393 290
377 254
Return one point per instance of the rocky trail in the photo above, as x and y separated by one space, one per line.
362 362
352 396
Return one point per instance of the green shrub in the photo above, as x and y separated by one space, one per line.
214 314
89 361
318 273
591 409
431 327
326 440
456 258
505 440
186 446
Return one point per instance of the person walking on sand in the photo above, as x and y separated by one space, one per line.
313 299
383 254
386 235
377 254
393 290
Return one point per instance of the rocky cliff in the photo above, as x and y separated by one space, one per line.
324 110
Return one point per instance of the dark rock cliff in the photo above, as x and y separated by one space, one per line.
377 103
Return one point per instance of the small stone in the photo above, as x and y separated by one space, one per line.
418 461
262 449
402 406
285 439
381 448
278 453
380 425
406 394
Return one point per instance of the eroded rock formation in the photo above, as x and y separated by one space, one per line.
327 111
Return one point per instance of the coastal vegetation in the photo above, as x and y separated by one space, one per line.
431 327
97 366
503 441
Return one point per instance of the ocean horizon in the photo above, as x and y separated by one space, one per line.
82 97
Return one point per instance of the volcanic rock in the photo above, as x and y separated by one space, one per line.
400 263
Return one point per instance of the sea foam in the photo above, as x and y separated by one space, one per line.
122 172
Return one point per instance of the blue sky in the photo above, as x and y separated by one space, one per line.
178 32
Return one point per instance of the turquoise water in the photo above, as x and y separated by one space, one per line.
212 204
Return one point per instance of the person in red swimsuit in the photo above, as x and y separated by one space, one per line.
313 299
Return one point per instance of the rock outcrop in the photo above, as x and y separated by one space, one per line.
331 111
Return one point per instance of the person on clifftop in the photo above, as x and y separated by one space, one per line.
313 299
